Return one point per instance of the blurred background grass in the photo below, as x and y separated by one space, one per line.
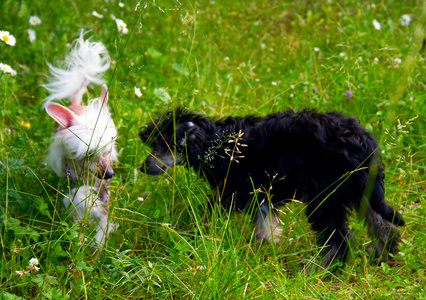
220 58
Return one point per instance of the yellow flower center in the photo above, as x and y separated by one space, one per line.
5 38
34 21
4 68
121 26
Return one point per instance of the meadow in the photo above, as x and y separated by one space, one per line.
218 57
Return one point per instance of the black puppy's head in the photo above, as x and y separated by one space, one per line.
167 137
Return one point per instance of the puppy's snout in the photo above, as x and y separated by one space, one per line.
102 173
153 166
109 174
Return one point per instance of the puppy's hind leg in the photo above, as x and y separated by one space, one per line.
329 221
385 234
267 224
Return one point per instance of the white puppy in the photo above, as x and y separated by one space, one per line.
83 146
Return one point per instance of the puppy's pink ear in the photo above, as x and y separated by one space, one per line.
104 95
62 115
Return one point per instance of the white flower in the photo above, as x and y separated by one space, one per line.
33 265
376 59
96 14
140 198
31 35
341 54
226 58
405 20
6 37
262 46
7 69
34 20
376 24
121 4
112 17
274 83
316 49
138 92
122 27
397 60
360 58
33 262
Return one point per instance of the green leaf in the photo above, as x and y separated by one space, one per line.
79 256
142 280
156 213
59 251
162 95
385 268
82 266
154 53
8 296
57 295
43 279
180 69
42 206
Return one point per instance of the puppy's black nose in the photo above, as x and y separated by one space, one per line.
109 174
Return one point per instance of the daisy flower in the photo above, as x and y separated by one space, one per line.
34 20
376 24
316 49
122 27
96 14
6 37
138 92
405 20
31 35
121 4
7 69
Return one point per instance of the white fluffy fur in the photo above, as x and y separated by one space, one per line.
85 64
268 226
84 141
92 132
86 203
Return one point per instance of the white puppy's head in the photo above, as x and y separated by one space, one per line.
85 138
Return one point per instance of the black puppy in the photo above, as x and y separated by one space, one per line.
327 159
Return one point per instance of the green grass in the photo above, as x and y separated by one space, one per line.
219 58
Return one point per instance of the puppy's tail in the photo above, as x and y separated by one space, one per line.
85 64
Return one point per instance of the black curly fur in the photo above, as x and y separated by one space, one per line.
325 159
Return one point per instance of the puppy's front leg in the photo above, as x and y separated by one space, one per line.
267 224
